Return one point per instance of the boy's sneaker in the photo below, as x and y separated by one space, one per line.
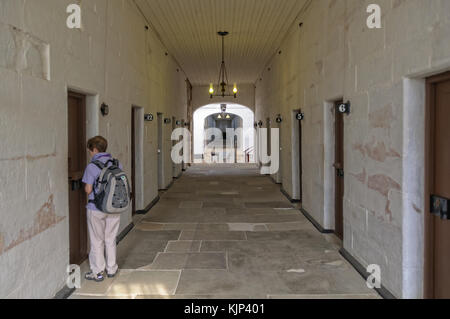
111 275
95 277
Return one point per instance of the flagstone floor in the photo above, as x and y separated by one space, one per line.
226 232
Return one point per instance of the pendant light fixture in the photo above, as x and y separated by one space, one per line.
223 85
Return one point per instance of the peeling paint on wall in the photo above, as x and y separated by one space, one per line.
45 218
382 184
361 176
24 52
28 157
382 118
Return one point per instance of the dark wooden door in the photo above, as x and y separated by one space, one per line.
439 185
160 150
339 166
269 137
300 165
77 164
133 160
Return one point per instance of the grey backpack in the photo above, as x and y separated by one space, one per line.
113 195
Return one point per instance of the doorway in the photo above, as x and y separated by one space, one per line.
160 152
269 138
339 167
76 164
133 160
174 166
437 187
297 151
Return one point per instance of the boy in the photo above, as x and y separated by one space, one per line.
102 228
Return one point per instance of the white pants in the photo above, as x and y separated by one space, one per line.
103 229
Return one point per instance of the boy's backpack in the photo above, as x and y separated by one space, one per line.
113 195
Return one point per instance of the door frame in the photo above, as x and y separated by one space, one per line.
429 170
339 201
91 118
138 123
297 161
160 147
83 244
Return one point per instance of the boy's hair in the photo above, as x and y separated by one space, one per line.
98 142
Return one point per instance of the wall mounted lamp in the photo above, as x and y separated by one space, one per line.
279 118
104 109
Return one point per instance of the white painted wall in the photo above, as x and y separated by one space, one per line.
113 58
335 55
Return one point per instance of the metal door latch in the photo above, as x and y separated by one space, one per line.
76 184
340 172
439 206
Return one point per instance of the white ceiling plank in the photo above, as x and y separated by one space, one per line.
188 28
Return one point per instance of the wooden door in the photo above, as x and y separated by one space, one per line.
76 165
160 150
133 160
174 126
300 164
438 184
339 166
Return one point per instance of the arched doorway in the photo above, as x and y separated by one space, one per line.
235 123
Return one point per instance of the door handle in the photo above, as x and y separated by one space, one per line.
75 184
340 172
338 165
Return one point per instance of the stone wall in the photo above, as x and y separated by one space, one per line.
335 55
114 59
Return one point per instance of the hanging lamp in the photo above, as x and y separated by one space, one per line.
223 85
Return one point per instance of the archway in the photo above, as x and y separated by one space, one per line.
214 113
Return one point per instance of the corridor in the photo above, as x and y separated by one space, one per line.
226 232
335 112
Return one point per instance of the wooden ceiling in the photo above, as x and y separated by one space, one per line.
188 29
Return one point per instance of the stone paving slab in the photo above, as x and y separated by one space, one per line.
168 261
184 246
145 283
223 232
212 235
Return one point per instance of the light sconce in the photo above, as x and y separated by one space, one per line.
178 123
167 121
255 125
148 117
279 119
260 123
104 109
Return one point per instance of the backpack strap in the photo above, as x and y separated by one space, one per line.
99 164
102 167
